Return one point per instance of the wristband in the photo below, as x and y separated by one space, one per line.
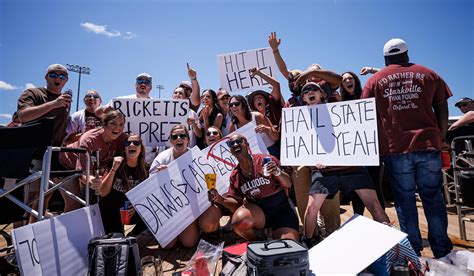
276 51
194 79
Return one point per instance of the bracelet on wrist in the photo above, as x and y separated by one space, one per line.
276 51
194 79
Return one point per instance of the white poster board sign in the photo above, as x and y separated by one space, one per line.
58 246
152 119
220 157
353 247
171 199
234 69
333 134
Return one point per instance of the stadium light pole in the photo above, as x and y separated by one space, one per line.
160 87
81 70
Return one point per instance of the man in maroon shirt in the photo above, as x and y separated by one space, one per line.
262 200
412 113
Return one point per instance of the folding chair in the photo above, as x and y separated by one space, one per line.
463 176
19 145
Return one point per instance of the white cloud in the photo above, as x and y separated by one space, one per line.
129 35
7 86
29 85
6 116
102 30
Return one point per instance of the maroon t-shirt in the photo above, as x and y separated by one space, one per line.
404 95
256 186
92 141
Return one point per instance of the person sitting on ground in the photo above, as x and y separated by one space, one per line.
127 171
108 140
85 119
258 201
242 115
179 139
209 221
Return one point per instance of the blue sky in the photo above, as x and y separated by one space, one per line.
120 39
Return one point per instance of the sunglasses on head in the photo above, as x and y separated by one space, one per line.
145 82
237 142
463 104
176 136
234 104
209 133
91 96
135 143
55 75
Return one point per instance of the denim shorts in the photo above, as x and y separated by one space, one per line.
346 181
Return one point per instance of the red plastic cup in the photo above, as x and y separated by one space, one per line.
124 216
445 159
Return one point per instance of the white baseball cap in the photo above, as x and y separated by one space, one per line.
394 46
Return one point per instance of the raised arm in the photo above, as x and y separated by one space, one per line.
195 97
331 77
108 179
274 42
464 120
276 91
369 70
264 125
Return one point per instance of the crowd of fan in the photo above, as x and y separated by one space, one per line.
410 140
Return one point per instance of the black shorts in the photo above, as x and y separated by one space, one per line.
347 181
278 211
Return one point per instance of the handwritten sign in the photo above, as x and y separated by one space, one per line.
152 119
219 155
171 199
57 246
234 69
334 134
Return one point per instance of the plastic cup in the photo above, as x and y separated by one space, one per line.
445 159
210 180
124 216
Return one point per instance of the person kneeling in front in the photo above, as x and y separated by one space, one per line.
258 200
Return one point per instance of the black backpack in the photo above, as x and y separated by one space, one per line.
113 254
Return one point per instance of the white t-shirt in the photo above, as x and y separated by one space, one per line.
164 158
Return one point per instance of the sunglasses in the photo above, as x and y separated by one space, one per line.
209 133
309 89
145 82
205 96
135 143
91 96
54 76
463 104
176 136
234 104
237 142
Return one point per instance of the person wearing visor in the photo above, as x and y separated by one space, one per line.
179 140
256 195
85 119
